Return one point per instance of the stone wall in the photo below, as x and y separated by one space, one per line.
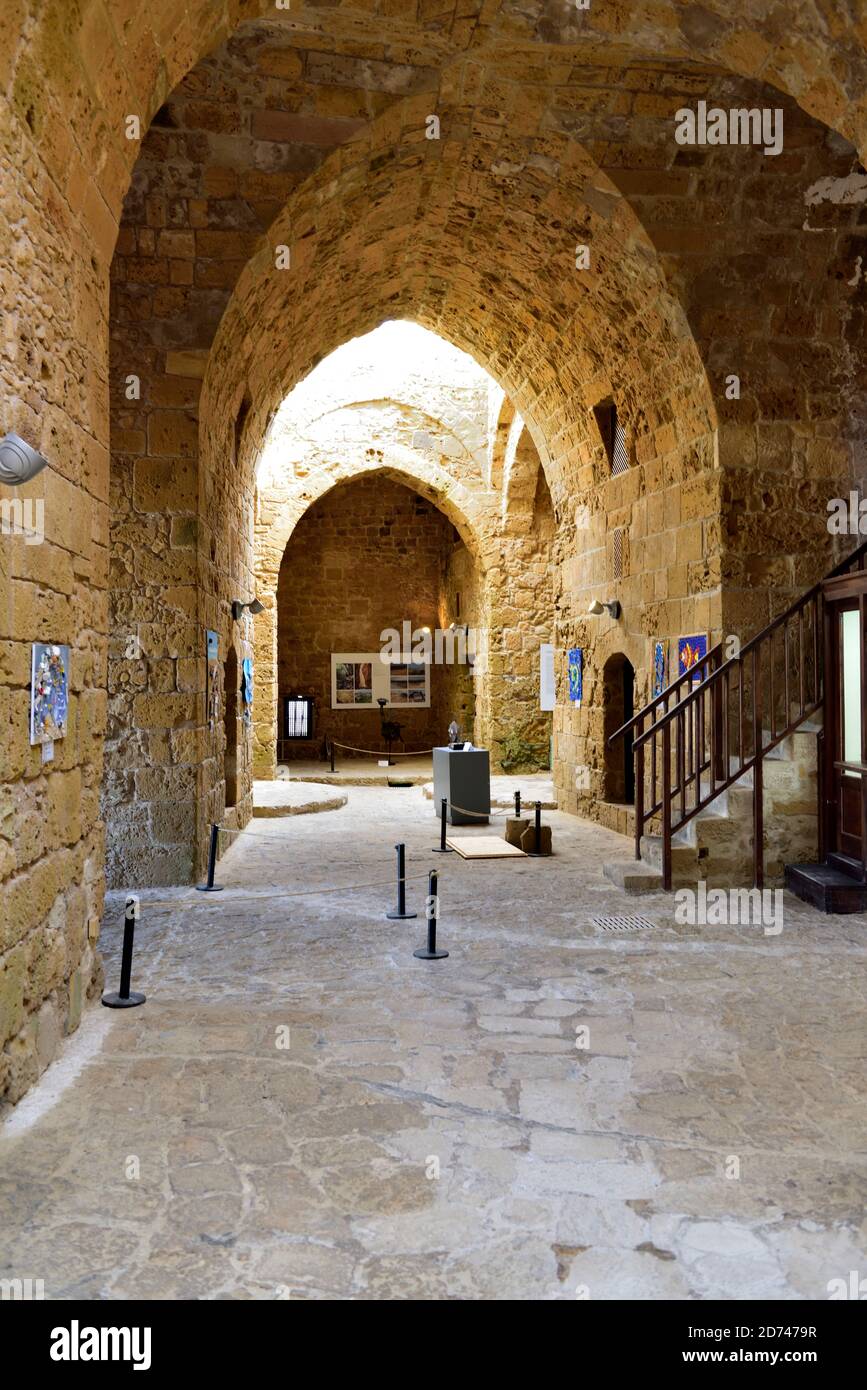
552 133
370 555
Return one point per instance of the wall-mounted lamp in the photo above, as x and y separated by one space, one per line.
612 608
18 462
238 607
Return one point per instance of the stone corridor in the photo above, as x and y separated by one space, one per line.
179 1150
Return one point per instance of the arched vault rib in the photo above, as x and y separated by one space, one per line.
404 230
108 62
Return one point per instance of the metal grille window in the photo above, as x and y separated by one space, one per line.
619 456
298 716
618 553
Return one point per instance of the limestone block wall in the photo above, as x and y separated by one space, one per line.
474 236
369 555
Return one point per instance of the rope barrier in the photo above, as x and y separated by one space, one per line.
481 815
378 752
179 903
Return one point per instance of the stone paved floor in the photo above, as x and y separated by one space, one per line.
269 1172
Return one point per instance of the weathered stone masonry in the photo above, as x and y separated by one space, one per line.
555 131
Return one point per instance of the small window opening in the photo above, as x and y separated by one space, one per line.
618 553
613 436
298 716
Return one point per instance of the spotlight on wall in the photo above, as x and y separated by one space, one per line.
18 462
238 607
612 608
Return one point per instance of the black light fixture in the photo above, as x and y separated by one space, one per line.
238 607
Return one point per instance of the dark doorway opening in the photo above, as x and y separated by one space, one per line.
619 707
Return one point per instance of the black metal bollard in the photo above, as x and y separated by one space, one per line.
430 951
401 912
332 755
536 852
518 804
443 847
211 886
125 997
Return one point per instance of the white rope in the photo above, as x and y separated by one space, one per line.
377 752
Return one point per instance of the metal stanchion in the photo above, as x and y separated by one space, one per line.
536 852
211 886
401 911
125 997
332 755
518 805
443 847
430 951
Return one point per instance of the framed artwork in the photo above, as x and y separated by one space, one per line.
409 683
575 673
351 681
659 665
690 651
247 680
213 645
49 692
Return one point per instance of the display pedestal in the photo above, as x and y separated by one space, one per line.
463 778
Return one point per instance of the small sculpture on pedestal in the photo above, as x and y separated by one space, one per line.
455 740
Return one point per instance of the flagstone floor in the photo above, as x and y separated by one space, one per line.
302 1109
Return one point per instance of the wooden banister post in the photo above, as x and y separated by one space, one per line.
666 807
718 773
639 799
758 786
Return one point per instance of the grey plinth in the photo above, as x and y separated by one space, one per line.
464 779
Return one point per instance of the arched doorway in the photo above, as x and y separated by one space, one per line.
230 757
619 705
373 557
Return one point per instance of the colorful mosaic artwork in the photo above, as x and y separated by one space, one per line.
690 651
49 692
575 661
659 664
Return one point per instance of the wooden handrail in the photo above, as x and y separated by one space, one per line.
663 695
691 743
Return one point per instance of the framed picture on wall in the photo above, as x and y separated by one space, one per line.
659 665
409 683
575 675
690 651
358 680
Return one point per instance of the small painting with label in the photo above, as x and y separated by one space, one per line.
49 692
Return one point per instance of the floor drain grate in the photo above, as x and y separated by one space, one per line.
616 923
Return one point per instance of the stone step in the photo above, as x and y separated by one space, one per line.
633 876
683 856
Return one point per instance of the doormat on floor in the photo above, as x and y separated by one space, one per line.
484 847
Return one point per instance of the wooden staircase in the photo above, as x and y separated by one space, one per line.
705 747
